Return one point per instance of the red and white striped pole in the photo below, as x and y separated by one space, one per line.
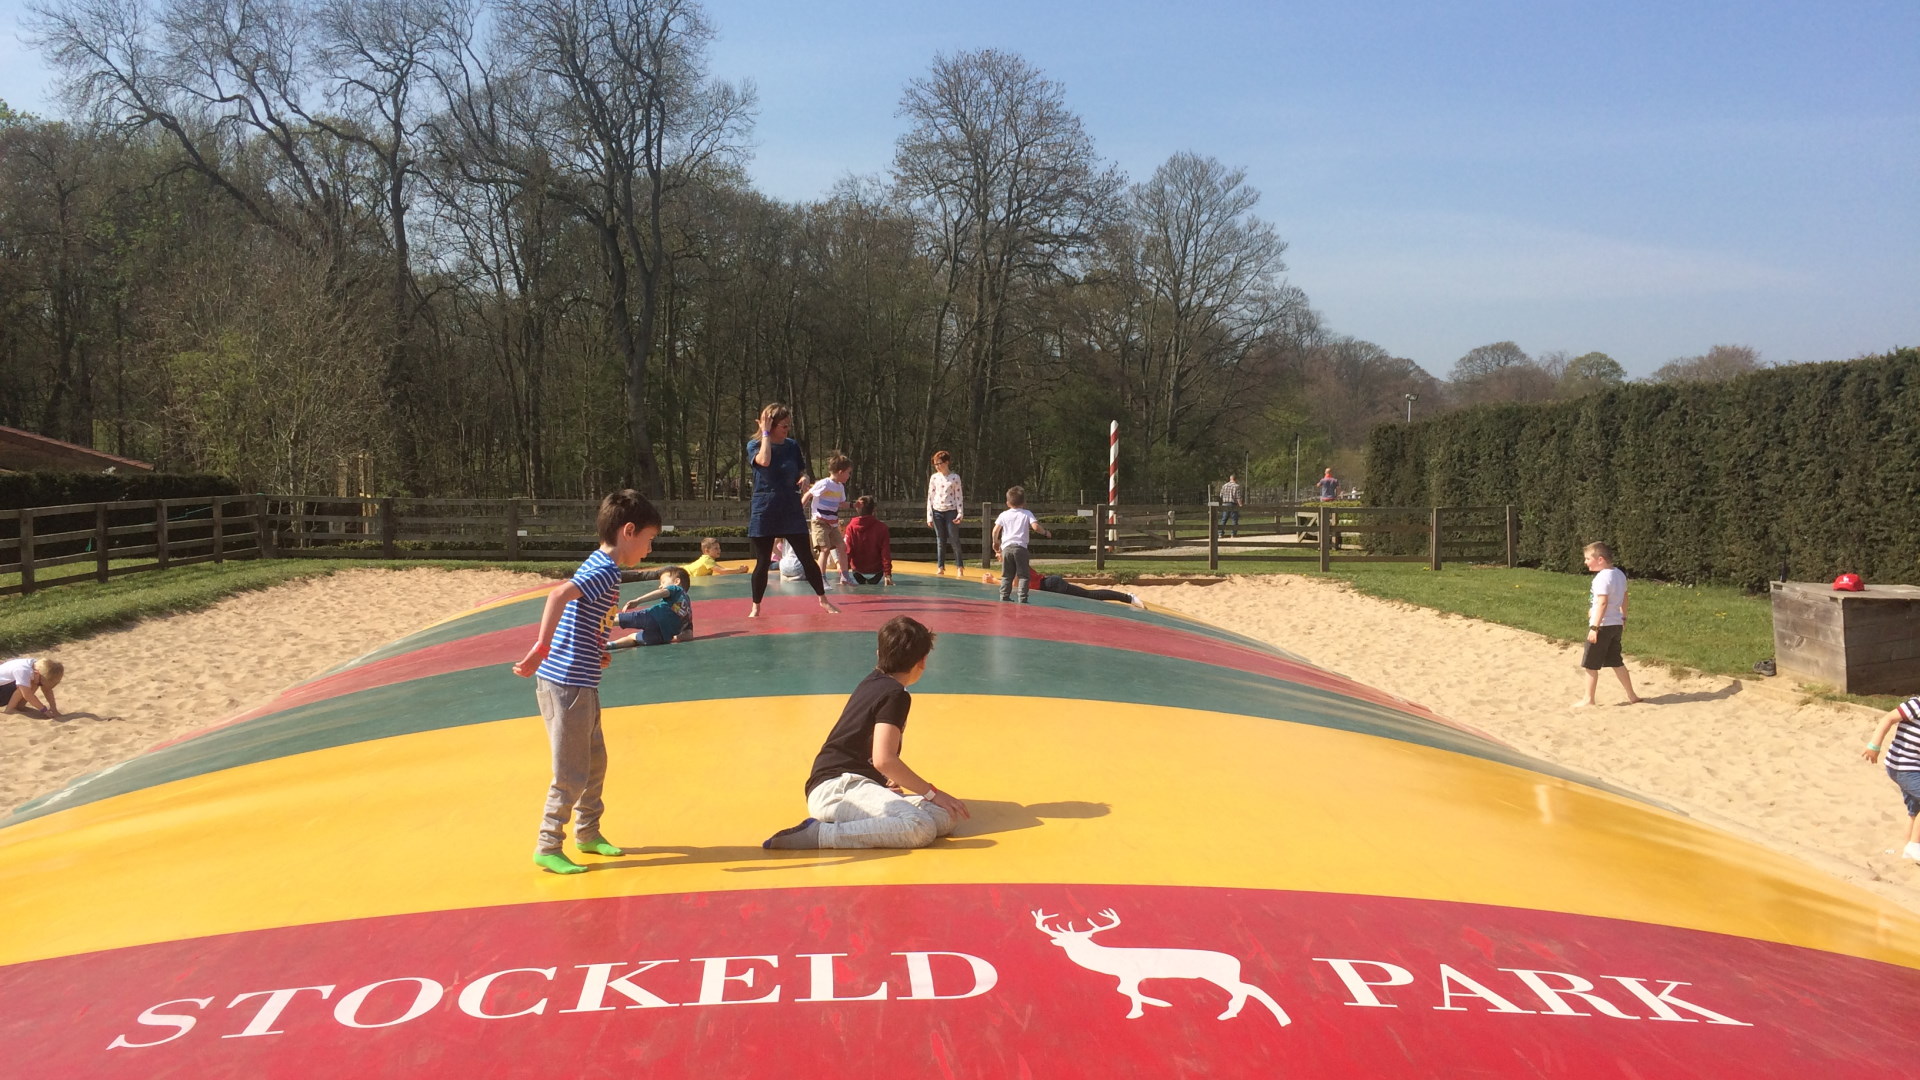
1113 463
1113 480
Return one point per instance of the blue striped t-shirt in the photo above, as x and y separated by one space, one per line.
1903 750
581 638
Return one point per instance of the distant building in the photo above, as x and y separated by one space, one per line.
23 451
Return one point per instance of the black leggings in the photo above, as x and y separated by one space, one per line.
1056 584
763 561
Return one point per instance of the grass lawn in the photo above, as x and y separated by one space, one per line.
73 611
1710 628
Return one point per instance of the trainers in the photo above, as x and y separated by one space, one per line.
802 837
1134 600
1912 851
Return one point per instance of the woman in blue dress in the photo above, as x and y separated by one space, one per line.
779 474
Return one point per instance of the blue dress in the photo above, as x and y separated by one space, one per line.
776 496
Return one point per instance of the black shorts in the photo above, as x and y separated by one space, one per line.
1603 650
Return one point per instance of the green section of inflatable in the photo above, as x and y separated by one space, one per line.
765 665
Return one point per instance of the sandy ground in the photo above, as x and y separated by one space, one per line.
1746 757
126 690
1750 758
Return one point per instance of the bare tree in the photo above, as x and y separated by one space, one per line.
375 56
1501 371
1211 270
228 82
1010 191
1717 363
618 106
1354 385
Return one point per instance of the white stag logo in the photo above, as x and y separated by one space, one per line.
1135 966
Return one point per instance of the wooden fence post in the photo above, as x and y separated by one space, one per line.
388 528
1433 535
160 532
1513 536
1326 539
1099 536
262 527
513 530
219 532
100 541
26 550
1213 539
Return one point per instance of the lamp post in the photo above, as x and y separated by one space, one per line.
1294 495
1411 398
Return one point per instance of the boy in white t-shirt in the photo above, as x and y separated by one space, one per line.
25 680
1012 533
824 499
1606 621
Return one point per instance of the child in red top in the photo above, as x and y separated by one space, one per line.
869 545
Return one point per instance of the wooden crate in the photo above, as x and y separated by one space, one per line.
1864 642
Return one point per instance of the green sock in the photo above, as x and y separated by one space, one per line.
555 863
598 847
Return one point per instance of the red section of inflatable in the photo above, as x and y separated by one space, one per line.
862 614
962 981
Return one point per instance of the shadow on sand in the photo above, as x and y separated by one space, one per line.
1721 694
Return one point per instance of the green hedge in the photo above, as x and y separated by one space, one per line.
1816 466
19 490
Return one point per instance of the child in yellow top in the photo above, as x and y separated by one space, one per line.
709 561
707 565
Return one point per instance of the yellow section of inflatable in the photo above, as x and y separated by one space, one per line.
1064 791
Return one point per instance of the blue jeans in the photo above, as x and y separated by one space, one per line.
1230 512
650 632
1909 783
945 534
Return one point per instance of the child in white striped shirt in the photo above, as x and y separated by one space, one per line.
1903 762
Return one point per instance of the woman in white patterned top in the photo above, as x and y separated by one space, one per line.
946 509
1903 762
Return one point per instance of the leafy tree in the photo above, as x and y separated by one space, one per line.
1589 373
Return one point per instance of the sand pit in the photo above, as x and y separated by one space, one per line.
1755 760
129 689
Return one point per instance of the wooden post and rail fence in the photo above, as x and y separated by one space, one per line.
102 541
1321 533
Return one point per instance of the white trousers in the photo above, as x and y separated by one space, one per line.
855 812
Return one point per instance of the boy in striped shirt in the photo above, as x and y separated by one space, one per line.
824 500
566 660
1903 762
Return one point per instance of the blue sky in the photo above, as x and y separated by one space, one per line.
1643 178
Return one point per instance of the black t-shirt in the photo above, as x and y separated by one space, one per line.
879 699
